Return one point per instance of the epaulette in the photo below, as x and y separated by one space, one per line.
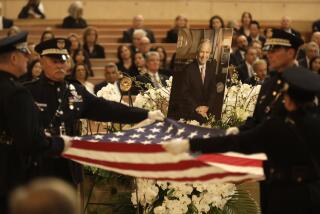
30 82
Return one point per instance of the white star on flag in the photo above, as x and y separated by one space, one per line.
77 138
140 129
180 131
130 141
119 134
151 136
135 136
159 124
98 137
146 142
193 134
114 139
155 130
206 136
166 137
169 129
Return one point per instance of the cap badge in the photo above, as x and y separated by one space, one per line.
61 44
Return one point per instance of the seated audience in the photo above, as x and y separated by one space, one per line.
125 60
47 35
315 64
316 26
257 45
44 196
90 43
33 72
246 19
163 61
140 64
4 22
245 70
111 75
237 57
81 73
137 23
75 20
152 76
179 23
75 43
260 72
137 37
311 51
216 22
33 9
254 35
285 25
82 57
144 45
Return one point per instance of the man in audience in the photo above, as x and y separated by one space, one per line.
145 45
111 75
22 141
152 76
199 84
237 57
257 45
137 23
245 70
63 102
137 37
4 22
286 26
311 50
260 72
254 28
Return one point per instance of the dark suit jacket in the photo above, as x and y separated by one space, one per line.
195 93
70 22
98 51
236 58
7 23
145 78
243 72
127 35
172 35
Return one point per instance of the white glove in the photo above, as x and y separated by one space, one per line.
67 142
232 131
155 115
176 146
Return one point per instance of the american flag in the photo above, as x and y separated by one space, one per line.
138 153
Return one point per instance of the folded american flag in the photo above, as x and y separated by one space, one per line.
138 153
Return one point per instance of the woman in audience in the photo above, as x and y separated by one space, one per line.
75 43
315 64
81 57
216 22
75 20
140 64
81 73
163 61
90 39
33 9
33 72
180 23
246 18
46 35
125 62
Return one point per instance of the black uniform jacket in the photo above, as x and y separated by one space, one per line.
22 140
292 146
62 104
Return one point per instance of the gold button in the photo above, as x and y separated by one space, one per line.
274 93
267 109
271 170
279 82
299 179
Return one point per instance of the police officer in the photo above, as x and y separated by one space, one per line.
63 102
22 140
291 144
282 49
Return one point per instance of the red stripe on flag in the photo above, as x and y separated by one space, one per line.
230 160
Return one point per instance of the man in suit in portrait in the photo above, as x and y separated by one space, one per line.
199 85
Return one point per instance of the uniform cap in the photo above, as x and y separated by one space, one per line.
55 48
303 83
281 38
15 42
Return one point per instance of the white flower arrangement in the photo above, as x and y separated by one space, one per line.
109 92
